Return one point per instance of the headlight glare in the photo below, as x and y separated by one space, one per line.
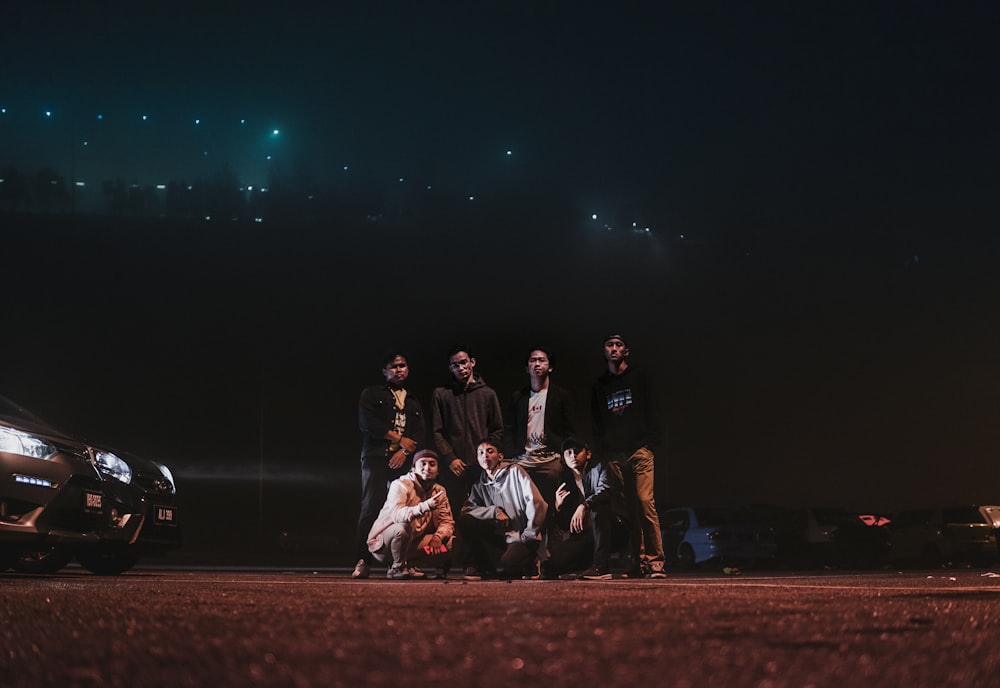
113 465
16 442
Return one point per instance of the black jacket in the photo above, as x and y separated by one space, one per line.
377 413
558 419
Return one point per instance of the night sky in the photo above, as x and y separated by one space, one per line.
790 207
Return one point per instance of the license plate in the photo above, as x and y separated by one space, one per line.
164 514
93 502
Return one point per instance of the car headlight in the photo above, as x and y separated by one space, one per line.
168 478
111 464
16 442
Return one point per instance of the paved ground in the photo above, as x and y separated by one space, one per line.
320 628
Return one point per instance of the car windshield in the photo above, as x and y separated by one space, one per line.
13 412
963 514
714 516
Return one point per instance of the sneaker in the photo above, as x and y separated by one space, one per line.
438 574
397 573
415 572
569 576
656 572
361 569
596 573
472 574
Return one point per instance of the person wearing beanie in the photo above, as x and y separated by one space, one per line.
627 432
415 524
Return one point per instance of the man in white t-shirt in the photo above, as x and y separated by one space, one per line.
540 418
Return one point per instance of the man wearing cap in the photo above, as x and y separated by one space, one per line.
591 514
415 524
626 431
392 425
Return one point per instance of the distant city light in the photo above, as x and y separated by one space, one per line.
80 183
345 168
400 179
275 132
100 117
510 152
161 187
472 198
145 117
243 121
197 121
48 113
594 216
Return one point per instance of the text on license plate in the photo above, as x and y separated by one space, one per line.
164 514
93 501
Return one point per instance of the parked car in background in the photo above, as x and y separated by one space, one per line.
943 536
61 498
830 537
696 535
992 514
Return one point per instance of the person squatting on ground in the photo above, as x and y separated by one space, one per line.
415 524
504 512
392 426
626 430
463 412
590 514
539 419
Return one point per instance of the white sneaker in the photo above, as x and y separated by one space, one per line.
361 569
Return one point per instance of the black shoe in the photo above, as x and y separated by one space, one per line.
596 573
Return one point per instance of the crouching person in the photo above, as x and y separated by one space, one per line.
415 525
504 512
591 516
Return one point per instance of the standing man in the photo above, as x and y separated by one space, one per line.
392 425
540 418
627 429
463 413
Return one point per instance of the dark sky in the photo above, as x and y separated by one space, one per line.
816 293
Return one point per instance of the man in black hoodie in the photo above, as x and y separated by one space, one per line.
626 430
463 413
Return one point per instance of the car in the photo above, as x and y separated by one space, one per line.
695 535
62 498
937 536
992 514
830 537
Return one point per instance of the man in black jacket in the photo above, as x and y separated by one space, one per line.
590 513
392 426
540 418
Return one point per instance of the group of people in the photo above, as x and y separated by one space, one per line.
515 496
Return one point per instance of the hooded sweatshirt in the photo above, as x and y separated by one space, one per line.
407 503
511 489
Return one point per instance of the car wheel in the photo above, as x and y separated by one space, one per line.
46 560
685 556
107 562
